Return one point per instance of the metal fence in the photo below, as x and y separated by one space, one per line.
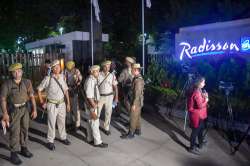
163 60
32 64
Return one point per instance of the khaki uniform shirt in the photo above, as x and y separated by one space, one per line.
125 77
91 88
53 90
137 91
106 86
17 93
72 77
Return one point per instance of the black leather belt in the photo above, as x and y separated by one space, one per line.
109 94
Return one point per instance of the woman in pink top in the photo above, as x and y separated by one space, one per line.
197 109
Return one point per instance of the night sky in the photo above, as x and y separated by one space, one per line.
36 19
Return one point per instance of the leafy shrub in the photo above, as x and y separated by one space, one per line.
162 96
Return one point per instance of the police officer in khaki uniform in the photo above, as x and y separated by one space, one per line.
136 103
57 94
91 104
108 92
15 95
125 79
73 78
45 69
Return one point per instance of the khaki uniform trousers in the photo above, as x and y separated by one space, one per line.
56 115
106 102
135 119
19 126
93 131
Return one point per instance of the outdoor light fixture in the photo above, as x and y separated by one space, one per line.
62 64
61 29
19 40
141 37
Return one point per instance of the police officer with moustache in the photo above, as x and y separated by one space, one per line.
137 91
92 97
15 95
108 92
125 79
74 78
57 94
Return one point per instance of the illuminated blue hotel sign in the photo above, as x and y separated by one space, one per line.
213 40
206 48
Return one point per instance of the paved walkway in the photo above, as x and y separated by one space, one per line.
162 143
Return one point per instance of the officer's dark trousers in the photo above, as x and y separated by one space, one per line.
197 132
19 125
74 116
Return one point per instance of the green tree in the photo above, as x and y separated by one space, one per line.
156 74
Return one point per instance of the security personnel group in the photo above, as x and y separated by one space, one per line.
62 88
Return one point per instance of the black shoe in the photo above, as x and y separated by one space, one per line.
138 131
15 159
66 142
102 145
194 151
91 142
200 146
25 152
76 129
126 124
107 132
129 135
51 146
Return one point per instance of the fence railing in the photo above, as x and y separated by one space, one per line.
161 59
31 64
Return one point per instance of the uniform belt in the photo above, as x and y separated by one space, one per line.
19 105
108 94
56 101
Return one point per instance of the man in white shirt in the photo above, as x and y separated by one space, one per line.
108 92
